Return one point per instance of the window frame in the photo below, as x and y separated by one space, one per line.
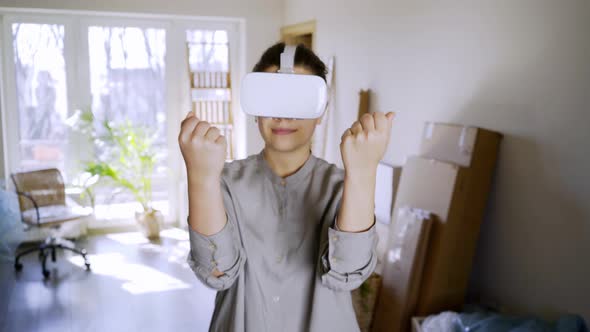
76 55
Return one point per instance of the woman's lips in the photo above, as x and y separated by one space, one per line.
283 131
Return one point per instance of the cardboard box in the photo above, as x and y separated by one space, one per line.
387 181
402 270
456 196
383 236
385 191
456 143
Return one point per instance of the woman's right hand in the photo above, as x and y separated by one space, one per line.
203 148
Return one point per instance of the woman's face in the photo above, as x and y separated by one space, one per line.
287 135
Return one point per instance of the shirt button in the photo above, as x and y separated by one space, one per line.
279 258
334 238
212 246
213 263
276 298
283 182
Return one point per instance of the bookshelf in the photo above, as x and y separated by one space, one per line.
211 88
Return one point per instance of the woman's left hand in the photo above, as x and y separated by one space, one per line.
364 143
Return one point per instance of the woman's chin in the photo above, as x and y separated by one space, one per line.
283 146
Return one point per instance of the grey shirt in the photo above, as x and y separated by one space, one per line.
286 265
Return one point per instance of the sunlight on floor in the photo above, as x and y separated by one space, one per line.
176 253
175 234
128 238
125 211
138 278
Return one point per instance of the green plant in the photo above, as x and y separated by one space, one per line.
85 182
124 154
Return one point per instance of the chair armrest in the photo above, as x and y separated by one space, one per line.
27 195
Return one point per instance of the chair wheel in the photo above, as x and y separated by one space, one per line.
18 266
87 266
46 274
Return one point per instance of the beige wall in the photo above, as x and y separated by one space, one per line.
518 67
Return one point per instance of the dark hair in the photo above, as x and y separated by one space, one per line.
303 57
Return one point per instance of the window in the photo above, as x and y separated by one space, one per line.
127 83
40 76
127 74
124 68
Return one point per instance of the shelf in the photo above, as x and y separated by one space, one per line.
221 125
210 93
210 79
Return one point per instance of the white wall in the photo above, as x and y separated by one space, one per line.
519 67
263 21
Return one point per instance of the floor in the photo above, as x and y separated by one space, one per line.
134 285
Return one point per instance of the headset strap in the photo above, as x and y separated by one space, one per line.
288 59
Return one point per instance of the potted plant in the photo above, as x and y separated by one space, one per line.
84 184
125 157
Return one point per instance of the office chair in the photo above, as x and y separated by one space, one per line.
42 201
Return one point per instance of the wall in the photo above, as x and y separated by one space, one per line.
263 21
518 67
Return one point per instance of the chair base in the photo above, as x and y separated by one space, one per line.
49 247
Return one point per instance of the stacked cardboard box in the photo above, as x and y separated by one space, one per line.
388 177
402 269
364 298
451 179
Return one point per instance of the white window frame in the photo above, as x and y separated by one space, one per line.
76 53
10 121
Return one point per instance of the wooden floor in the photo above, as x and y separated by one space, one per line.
134 285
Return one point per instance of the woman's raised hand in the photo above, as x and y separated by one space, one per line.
364 143
203 148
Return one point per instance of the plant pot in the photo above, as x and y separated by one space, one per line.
150 222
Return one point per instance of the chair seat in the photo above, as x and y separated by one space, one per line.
55 214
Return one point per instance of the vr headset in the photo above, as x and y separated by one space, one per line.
284 94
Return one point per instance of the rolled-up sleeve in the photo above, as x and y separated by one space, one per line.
218 251
348 259
222 251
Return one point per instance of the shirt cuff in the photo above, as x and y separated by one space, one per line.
350 251
214 251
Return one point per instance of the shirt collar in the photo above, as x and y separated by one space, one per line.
292 179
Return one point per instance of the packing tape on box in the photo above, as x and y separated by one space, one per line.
428 129
394 255
435 161
402 226
465 149
463 143
415 212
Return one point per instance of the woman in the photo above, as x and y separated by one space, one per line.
282 235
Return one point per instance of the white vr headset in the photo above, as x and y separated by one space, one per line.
284 94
